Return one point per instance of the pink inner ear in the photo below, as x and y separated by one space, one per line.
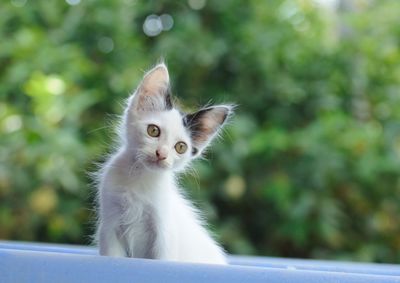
210 123
208 127
156 81
153 89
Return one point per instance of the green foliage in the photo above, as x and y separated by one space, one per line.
309 166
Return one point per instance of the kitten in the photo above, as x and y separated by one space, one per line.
142 212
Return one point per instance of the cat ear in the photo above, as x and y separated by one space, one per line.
153 93
205 124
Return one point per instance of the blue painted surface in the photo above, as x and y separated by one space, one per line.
28 262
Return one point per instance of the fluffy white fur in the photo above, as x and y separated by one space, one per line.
142 212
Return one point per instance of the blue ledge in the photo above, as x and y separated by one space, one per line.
32 262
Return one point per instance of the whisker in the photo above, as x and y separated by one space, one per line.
196 177
99 129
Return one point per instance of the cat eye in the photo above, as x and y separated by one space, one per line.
181 147
153 131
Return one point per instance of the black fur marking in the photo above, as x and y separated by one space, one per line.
168 100
192 123
185 120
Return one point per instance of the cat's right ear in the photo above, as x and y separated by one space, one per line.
153 93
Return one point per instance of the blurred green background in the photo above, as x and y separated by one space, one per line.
310 165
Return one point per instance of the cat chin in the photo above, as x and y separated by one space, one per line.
157 165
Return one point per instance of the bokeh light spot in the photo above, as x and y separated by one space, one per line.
43 200
152 25
12 123
197 4
235 187
105 44
167 21
55 85
18 3
73 2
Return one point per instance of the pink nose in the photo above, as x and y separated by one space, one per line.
161 155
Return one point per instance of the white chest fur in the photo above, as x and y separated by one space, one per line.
149 218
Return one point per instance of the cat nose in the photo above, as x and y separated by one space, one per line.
161 154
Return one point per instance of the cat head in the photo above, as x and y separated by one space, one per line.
160 136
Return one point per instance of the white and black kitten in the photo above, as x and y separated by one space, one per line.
142 212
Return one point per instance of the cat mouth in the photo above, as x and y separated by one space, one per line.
157 164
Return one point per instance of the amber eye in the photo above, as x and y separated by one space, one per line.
153 131
181 147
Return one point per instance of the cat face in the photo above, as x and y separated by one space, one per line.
162 141
162 137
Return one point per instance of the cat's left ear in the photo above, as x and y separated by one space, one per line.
153 93
205 124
